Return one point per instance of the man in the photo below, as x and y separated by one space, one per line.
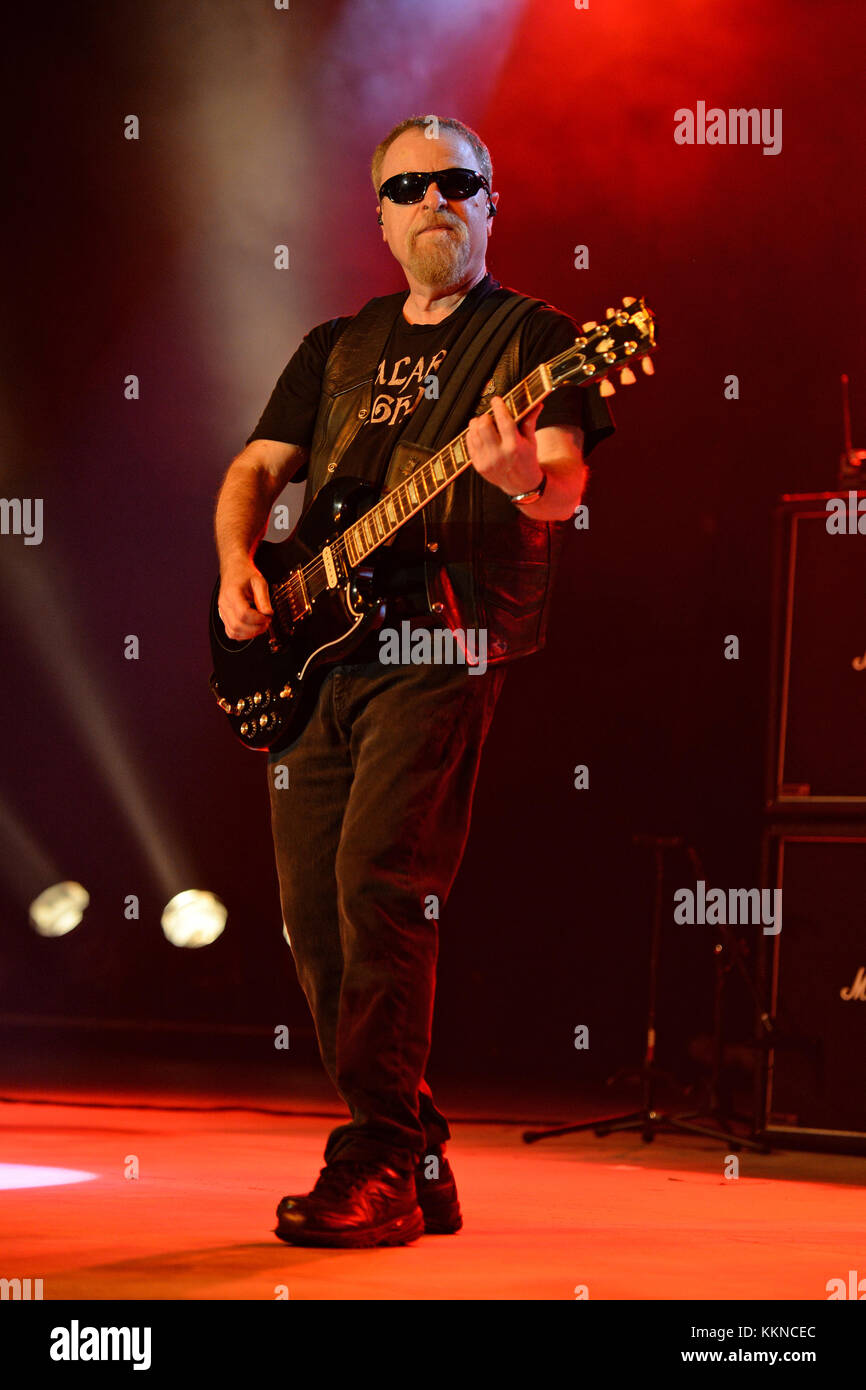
371 828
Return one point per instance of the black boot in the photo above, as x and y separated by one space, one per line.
437 1196
353 1205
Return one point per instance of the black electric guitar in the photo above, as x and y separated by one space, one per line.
322 578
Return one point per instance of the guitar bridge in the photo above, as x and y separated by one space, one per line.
291 603
295 591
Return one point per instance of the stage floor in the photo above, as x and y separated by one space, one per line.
624 1219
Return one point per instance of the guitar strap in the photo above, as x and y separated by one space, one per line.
435 420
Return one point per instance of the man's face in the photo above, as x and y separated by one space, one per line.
437 242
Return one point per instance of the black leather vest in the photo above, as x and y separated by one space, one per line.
486 564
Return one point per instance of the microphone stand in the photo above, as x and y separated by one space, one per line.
649 1120
851 460
727 952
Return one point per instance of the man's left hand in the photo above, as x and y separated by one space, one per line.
503 451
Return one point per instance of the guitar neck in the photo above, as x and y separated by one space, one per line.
408 498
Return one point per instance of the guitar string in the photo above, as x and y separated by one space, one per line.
315 567
400 494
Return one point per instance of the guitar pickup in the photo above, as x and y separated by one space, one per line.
330 567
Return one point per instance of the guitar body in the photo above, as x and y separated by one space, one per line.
268 685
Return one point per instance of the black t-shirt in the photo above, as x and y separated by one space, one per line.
413 353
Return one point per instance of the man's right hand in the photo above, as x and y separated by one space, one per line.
251 485
244 603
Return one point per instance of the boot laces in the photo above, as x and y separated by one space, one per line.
340 1179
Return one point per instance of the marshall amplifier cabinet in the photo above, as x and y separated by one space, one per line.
811 1024
816 761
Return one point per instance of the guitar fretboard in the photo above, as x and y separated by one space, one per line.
408 498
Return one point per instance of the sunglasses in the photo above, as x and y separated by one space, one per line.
452 184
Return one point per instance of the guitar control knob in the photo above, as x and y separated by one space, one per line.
240 706
263 721
245 728
257 698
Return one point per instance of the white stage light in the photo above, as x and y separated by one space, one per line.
59 908
194 918
16 1175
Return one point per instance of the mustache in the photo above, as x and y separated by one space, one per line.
452 226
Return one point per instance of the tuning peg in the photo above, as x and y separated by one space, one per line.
628 300
608 313
647 365
607 388
586 327
627 377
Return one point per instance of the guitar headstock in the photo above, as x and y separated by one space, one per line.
626 335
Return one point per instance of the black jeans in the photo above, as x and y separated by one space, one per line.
368 837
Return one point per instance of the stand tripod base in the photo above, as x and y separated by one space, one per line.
651 1123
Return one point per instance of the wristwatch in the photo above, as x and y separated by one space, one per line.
531 496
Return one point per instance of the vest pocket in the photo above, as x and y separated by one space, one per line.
517 589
